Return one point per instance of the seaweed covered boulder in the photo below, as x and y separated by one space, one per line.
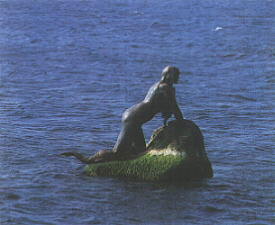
174 152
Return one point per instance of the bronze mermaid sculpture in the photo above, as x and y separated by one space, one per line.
161 98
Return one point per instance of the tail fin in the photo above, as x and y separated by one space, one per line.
78 156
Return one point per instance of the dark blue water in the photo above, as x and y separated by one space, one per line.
70 68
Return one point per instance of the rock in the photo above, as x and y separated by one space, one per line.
175 152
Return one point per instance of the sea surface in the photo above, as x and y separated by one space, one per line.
68 69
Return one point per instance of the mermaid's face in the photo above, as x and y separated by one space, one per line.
170 74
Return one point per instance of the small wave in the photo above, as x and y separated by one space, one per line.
33 41
135 46
236 55
12 196
243 97
159 190
218 28
136 12
160 25
135 220
228 55
213 209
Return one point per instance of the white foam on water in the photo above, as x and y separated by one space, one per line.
218 28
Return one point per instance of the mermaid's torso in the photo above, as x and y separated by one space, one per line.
157 100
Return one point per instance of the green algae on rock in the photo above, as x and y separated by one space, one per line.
174 152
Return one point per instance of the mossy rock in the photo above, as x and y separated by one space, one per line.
175 152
